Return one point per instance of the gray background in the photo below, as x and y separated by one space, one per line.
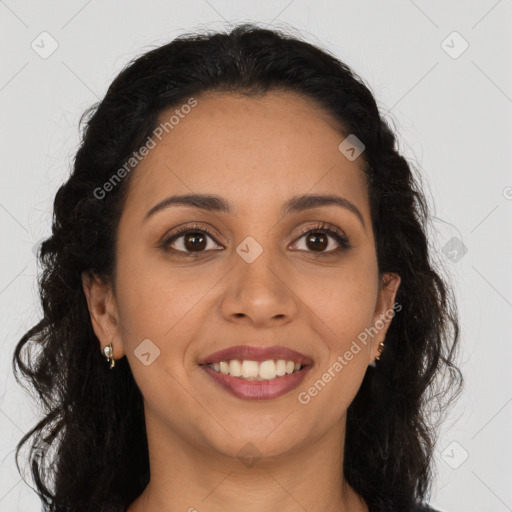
451 109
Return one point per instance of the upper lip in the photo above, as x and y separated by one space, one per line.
252 353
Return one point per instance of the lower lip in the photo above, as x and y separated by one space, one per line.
258 389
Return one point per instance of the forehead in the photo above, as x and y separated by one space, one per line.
265 147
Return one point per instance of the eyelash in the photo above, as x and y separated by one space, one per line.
325 228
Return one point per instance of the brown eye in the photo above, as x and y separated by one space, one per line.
189 241
194 241
318 240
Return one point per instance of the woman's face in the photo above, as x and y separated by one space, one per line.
256 280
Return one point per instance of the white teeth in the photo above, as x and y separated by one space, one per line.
281 368
235 368
267 370
249 369
252 370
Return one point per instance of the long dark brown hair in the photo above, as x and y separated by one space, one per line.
89 452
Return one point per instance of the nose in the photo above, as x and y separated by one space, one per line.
259 293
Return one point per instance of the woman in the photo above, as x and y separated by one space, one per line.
240 225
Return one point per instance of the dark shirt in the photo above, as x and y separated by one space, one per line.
425 508
422 508
418 508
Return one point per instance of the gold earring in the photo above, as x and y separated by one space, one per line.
109 354
381 348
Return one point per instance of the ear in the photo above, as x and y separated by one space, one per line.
384 311
103 311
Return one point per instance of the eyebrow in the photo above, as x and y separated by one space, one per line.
295 204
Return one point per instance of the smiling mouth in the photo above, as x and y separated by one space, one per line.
256 370
257 381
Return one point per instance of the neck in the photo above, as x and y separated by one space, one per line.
185 477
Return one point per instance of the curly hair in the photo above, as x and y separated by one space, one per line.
94 419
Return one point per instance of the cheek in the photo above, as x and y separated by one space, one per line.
343 300
157 318
152 300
